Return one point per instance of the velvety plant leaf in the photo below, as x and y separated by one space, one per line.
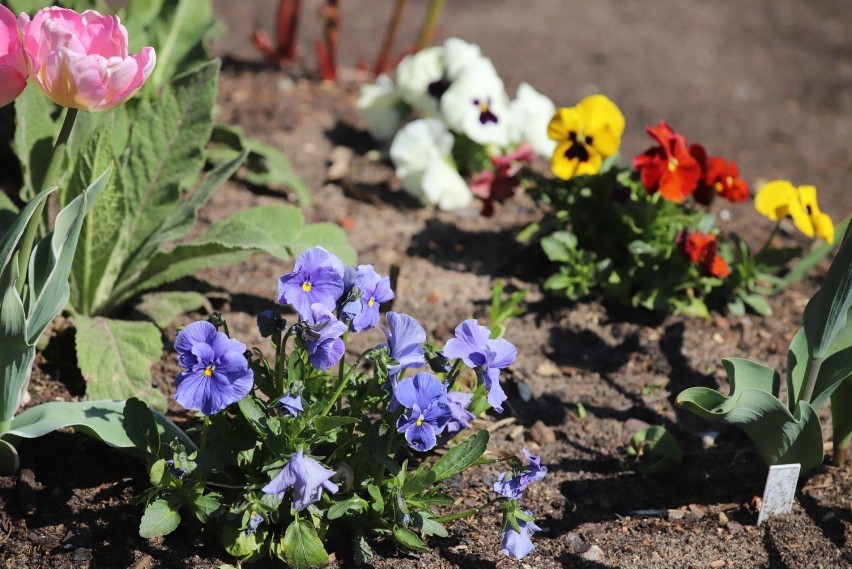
34 135
141 428
182 39
115 357
330 236
163 307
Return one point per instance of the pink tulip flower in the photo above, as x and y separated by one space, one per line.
13 66
81 61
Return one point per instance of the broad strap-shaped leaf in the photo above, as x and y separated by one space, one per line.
165 151
841 415
34 135
9 461
302 546
99 419
52 259
801 269
116 356
827 312
780 436
100 250
11 235
141 427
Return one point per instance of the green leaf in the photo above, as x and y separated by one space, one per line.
163 307
330 236
323 425
205 505
181 39
375 493
115 357
267 228
9 461
841 416
34 135
254 415
351 506
157 472
100 249
141 427
827 312
409 539
810 260
459 458
779 435
165 149
302 546
657 449
158 520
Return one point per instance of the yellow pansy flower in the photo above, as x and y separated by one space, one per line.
779 199
586 134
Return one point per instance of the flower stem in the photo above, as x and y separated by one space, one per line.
465 514
342 380
428 30
769 239
40 213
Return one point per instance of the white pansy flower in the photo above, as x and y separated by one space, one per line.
380 106
420 152
458 55
420 79
476 104
529 115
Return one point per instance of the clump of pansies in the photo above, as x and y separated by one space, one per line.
645 234
455 136
303 449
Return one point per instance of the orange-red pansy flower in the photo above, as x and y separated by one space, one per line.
702 249
668 168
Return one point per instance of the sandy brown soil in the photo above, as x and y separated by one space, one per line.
762 85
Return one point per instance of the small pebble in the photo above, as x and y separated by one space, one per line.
723 519
576 543
542 434
594 553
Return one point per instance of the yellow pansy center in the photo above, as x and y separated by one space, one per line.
419 421
371 302
306 286
208 371
673 164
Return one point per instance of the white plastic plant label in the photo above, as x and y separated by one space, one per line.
779 491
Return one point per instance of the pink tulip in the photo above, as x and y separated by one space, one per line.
13 66
81 61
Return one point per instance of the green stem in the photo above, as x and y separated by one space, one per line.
465 514
428 30
769 239
342 380
50 177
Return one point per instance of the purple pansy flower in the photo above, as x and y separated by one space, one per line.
405 342
458 402
487 356
425 397
513 484
322 338
306 476
519 545
291 404
217 372
375 289
316 278
270 322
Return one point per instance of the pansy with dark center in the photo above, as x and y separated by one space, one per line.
316 278
472 343
216 370
485 114
425 398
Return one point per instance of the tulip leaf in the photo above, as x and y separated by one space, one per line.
779 435
827 312
115 357
141 427
841 415
9 461
302 546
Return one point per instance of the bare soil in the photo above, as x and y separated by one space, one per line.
763 83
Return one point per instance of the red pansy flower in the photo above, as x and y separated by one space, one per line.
669 167
724 178
501 183
702 249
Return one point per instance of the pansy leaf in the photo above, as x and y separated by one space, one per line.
302 546
158 520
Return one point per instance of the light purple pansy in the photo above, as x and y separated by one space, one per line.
216 370
519 545
324 344
458 402
307 477
405 342
375 289
513 484
291 404
317 278
425 398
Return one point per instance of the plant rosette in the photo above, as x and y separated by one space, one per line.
306 449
